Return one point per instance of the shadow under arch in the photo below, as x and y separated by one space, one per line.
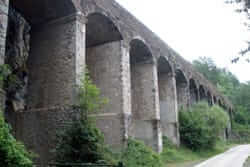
215 100
181 88
209 98
202 93
194 92
42 11
100 30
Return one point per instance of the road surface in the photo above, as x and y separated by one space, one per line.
235 157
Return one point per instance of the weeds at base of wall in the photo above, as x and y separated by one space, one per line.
83 142
138 155
12 152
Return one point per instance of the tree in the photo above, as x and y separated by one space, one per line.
225 81
243 8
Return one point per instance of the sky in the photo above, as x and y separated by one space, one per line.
197 28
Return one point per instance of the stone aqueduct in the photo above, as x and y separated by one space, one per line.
143 78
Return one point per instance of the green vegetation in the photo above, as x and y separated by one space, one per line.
82 141
174 155
12 153
238 93
4 73
201 125
247 162
138 155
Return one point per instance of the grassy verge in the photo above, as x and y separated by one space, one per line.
247 163
183 156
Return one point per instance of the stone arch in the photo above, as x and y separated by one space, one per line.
209 98
41 11
215 100
194 93
202 93
220 103
144 94
104 57
181 88
167 98
46 42
101 30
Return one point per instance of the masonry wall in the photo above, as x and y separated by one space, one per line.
56 59
51 65
4 6
38 128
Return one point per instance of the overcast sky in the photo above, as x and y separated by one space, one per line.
196 28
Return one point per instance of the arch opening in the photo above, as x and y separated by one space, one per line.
39 53
220 103
194 94
101 30
140 66
167 99
181 88
104 57
42 11
209 99
144 94
215 100
202 93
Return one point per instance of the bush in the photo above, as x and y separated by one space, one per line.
200 126
138 155
12 153
82 141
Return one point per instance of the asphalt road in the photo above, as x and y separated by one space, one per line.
235 157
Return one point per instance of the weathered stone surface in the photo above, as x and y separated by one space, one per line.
4 6
16 56
123 58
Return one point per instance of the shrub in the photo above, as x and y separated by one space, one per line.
12 153
4 73
138 155
82 141
200 126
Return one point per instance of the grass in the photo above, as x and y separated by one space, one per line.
247 162
174 156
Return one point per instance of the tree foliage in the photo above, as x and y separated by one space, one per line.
82 141
243 7
229 85
201 125
12 152
138 155
224 80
